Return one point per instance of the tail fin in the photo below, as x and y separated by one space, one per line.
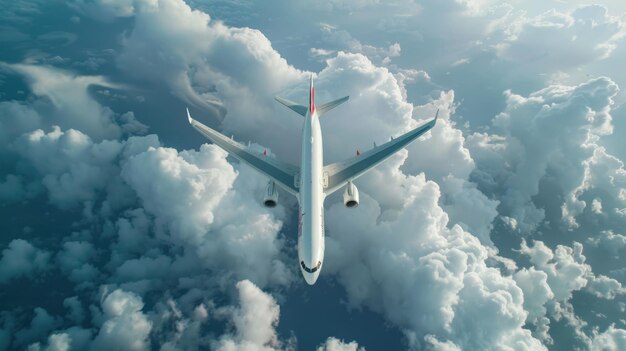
302 110
312 96
325 107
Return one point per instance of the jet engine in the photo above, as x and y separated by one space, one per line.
271 195
351 196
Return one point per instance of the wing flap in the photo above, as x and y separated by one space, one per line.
281 173
341 172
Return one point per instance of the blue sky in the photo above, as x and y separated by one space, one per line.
501 229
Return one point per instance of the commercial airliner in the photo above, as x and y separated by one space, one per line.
312 181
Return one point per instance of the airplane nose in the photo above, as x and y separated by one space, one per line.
310 278
310 274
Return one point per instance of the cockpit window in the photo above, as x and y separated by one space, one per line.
311 270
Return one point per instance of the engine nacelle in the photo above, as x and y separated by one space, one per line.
271 195
351 196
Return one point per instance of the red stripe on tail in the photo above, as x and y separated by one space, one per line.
312 100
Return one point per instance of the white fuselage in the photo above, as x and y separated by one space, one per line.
311 200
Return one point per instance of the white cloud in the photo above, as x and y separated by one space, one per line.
179 192
608 241
563 40
340 39
565 267
537 292
132 233
74 260
425 278
381 111
596 206
73 169
410 261
125 326
557 139
70 99
605 287
187 333
194 56
56 342
41 324
203 176
567 271
334 344
612 339
254 320
22 259
207 208
251 324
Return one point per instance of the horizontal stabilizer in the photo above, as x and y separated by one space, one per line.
299 109
330 105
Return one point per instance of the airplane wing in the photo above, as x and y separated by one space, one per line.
283 174
340 173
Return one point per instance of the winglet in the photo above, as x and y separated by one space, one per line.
189 116
434 120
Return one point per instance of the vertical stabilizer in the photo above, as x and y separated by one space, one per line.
312 97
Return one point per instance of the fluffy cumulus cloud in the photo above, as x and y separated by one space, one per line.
22 259
141 248
565 268
471 238
552 133
254 321
68 165
75 172
609 241
194 56
125 326
555 275
334 344
67 100
429 279
74 259
612 339
190 195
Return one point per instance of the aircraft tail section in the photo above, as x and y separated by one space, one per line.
299 109
312 96
331 105
302 110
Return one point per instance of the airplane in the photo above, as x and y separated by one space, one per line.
312 182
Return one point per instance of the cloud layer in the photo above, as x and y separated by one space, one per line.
500 229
